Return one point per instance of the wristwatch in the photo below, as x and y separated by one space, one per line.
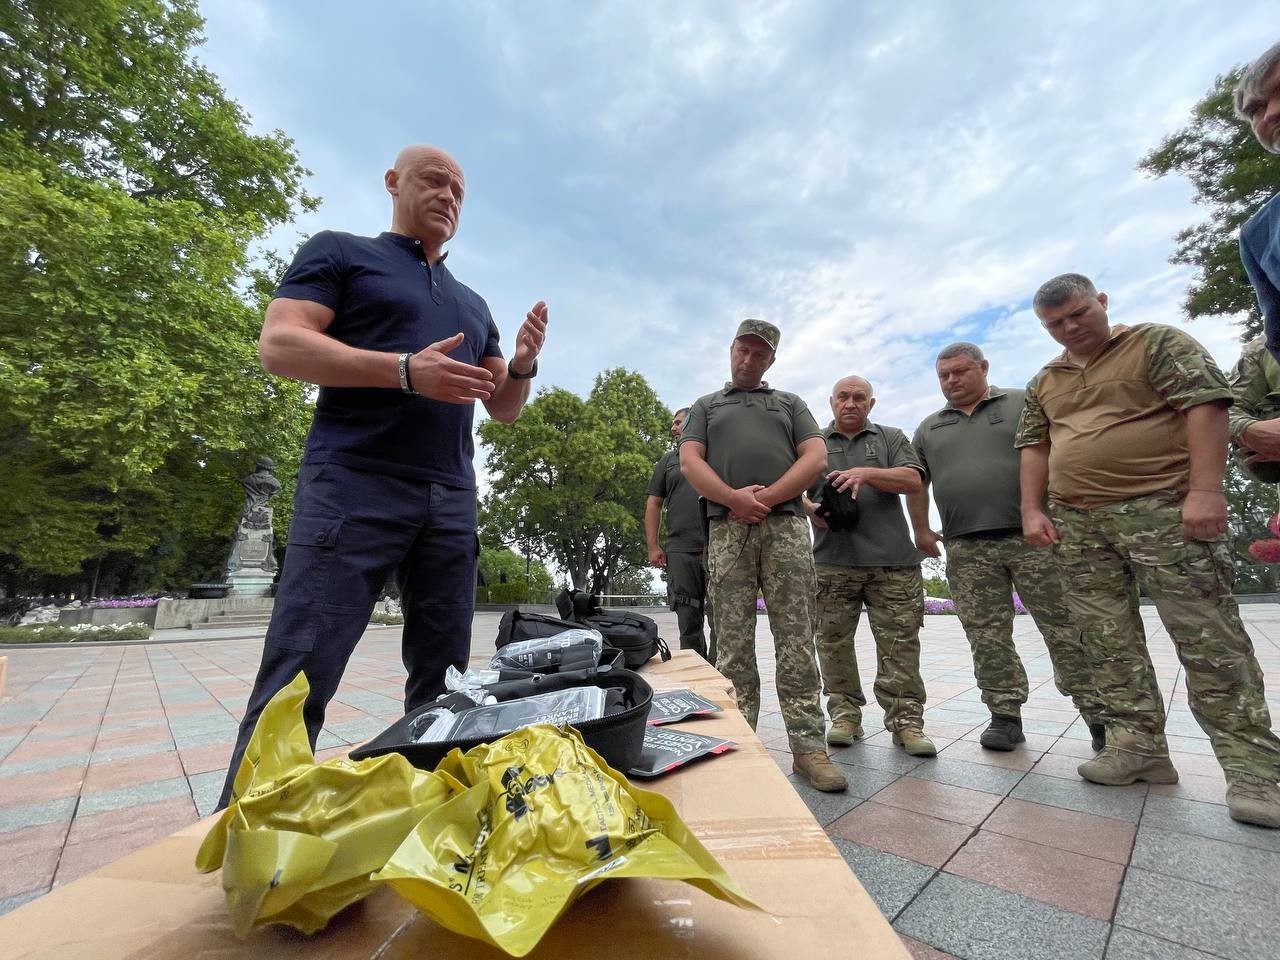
533 371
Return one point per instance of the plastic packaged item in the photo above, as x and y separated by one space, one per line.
471 683
565 650
300 840
538 821
572 706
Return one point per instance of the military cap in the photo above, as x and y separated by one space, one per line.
758 328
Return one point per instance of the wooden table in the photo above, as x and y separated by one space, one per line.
153 903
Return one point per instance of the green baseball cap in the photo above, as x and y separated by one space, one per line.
758 328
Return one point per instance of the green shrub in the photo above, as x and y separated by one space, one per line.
387 618
937 587
52 633
505 593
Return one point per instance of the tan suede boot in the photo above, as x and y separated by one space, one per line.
1125 760
913 740
844 731
1253 800
822 774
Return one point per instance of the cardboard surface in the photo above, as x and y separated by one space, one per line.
153 904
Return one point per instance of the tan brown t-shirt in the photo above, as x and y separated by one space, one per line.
1116 426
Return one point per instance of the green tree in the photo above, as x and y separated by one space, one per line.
132 195
569 477
504 565
1250 504
1232 176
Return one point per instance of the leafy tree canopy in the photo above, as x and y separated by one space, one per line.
569 477
131 195
1232 176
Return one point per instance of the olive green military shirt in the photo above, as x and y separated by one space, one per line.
750 437
1255 388
1116 426
972 464
881 538
680 500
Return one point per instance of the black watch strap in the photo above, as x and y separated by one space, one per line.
533 372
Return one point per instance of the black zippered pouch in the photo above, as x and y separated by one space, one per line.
618 736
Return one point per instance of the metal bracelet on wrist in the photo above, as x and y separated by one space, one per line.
406 385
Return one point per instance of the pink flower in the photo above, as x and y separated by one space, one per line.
1274 525
1268 551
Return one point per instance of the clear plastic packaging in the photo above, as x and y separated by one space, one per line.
542 653
472 683
572 706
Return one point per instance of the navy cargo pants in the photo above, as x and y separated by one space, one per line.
351 530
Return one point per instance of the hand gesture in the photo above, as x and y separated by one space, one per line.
811 509
530 337
657 557
1204 515
850 480
1038 530
927 542
744 507
436 375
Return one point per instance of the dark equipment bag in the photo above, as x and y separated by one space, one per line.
618 736
633 633
837 508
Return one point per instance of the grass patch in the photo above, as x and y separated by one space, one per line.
52 633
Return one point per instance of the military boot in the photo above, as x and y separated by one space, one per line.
817 768
1004 733
1126 760
844 730
1097 736
913 740
1253 800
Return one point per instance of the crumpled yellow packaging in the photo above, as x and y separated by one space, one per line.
300 840
542 820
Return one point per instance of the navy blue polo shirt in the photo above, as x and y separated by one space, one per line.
386 297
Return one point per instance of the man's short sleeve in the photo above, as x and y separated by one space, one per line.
803 426
491 348
658 482
917 444
1248 381
901 452
1180 369
1033 425
695 424
317 272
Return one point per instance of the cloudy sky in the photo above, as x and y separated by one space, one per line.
878 179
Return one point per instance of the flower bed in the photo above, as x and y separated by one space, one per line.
77 634
122 603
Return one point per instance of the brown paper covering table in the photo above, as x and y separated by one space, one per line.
153 904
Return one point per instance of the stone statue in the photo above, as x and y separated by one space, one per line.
251 567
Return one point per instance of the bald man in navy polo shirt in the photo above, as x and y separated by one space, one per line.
401 352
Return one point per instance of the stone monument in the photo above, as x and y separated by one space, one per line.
251 568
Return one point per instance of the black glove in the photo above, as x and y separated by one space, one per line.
837 508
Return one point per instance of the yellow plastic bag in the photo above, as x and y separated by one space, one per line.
300 840
542 820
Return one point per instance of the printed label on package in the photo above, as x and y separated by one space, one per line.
665 750
670 706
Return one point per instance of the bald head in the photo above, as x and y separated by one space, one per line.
851 401
426 186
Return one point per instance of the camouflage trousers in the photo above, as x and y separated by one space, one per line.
1105 555
687 590
776 558
982 573
894 598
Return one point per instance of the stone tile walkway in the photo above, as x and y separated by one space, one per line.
975 855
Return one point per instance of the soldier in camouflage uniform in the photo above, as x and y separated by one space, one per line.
683 555
1254 418
874 564
966 450
1127 431
751 451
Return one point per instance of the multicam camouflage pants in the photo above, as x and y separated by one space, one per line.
894 598
982 572
1106 554
776 558
687 588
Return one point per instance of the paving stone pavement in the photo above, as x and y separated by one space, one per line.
973 855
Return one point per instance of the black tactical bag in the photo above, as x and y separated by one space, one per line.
632 633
